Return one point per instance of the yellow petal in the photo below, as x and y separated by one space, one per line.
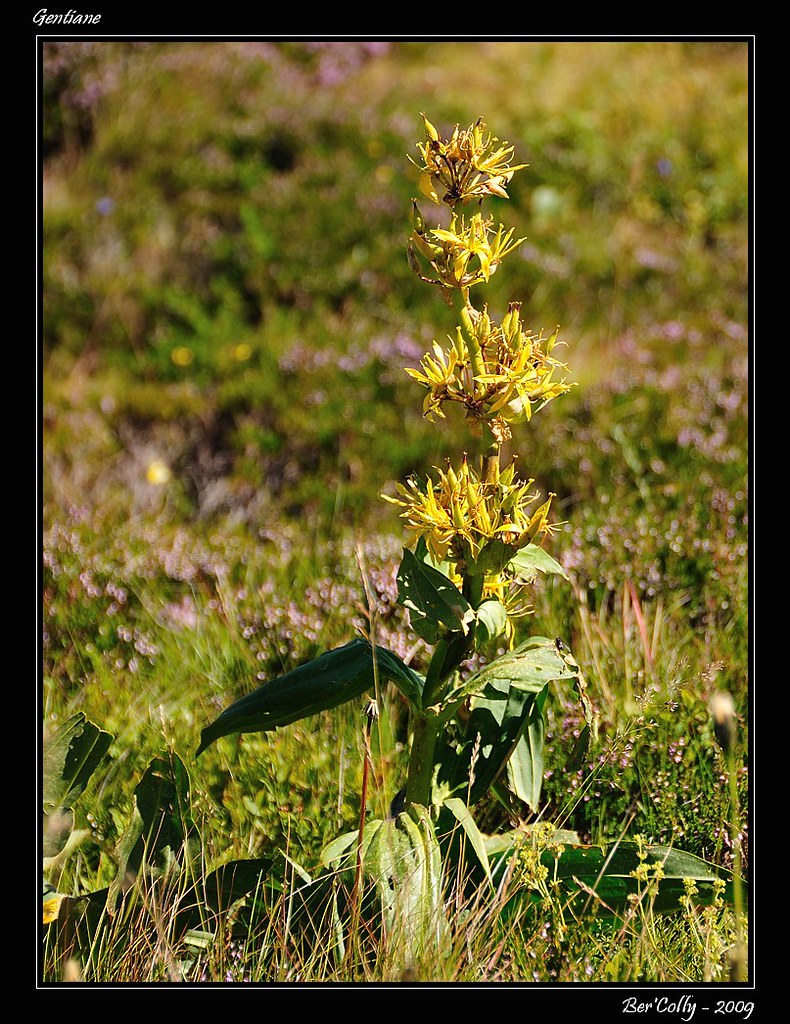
51 908
426 186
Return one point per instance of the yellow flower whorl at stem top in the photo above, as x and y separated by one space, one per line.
467 166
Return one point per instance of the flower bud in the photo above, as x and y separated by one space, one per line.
430 131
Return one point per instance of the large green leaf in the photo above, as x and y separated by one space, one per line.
605 878
326 682
492 731
493 558
234 880
402 866
204 899
409 682
404 862
72 753
529 667
525 766
531 560
161 833
505 701
435 605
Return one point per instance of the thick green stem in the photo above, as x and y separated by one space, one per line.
435 675
475 353
447 656
425 732
421 761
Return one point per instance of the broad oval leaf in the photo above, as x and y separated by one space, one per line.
404 862
491 620
506 700
435 605
606 878
528 667
493 558
492 731
343 850
161 831
72 753
234 880
531 560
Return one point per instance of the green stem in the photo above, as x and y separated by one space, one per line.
740 951
425 732
447 656
435 674
472 589
475 353
421 761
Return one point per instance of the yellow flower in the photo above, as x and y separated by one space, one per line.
477 524
182 355
158 472
51 905
470 165
463 255
443 373
499 372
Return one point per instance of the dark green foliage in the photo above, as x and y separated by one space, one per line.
503 717
160 850
610 876
72 754
334 678
435 605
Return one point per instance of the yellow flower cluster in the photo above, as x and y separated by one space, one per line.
463 255
499 372
477 524
469 165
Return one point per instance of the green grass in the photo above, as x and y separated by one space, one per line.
226 292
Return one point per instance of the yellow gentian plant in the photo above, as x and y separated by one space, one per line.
474 546
474 531
477 524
